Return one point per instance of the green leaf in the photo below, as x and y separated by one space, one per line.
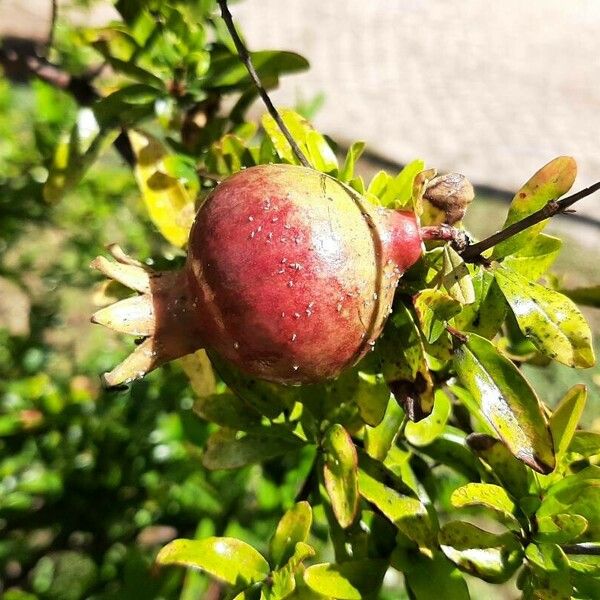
339 471
228 70
534 259
434 308
511 473
168 203
507 401
551 568
352 580
549 319
586 443
371 396
489 496
549 183
486 315
293 527
588 564
227 559
313 145
346 173
491 557
399 349
428 429
399 190
565 418
378 440
425 576
227 410
560 528
408 514
456 277
226 450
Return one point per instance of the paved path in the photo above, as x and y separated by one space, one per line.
491 89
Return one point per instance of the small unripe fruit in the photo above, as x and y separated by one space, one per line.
290 275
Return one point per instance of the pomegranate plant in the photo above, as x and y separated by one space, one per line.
360 364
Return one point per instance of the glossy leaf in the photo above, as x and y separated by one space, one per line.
227 559
228 71
549 319
533 260
489 556
352 580
511 473
169 206
550 566
340 474
399 190
378 440
408 514
486 315
560 528
226 450
507 401
428 429
372 395
549 183
425 575
566 416
434 308
314 146
489 496
293 527
588 564
456 277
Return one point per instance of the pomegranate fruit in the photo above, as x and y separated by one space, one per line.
290 275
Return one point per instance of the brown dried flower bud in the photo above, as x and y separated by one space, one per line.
447 197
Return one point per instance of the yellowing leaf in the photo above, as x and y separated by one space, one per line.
549 319
168 203
549 183
339 472
227 559
507 401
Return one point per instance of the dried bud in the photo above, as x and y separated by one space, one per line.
446 199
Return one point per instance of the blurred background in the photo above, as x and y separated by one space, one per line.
92 483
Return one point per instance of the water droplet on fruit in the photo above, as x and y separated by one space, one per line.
290 284
293 337
274 219
295 367
250 218
296 315
236 345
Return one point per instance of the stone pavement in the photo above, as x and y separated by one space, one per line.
491 89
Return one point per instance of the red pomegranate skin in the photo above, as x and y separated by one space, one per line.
291 274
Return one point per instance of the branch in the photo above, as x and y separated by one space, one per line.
472 253
21 61
245 58
589 548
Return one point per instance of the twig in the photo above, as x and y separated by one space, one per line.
472 253
245 58
53 18
588 549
